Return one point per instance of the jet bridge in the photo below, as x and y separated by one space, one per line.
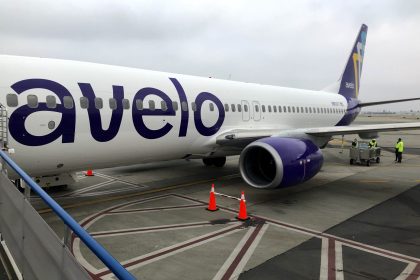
29 248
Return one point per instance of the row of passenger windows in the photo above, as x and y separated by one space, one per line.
12 101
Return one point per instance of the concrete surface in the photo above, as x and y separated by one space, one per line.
349 221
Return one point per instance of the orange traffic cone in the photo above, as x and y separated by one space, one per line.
89 173
243 216
212 200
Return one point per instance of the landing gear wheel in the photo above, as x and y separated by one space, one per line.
207 161
352 161
368 162
219 162
378 160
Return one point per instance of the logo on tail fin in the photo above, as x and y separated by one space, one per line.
350 80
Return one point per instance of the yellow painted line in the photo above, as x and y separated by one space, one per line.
374 181
173 187
417 180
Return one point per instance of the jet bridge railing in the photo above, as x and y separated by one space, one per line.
32 242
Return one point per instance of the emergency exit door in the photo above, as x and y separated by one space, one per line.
246 111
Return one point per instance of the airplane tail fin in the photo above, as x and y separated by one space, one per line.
349 83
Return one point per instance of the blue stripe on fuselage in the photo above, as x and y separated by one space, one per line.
352 112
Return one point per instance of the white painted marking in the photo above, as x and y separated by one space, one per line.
98 185
119 180
129 211
323 272
80 258
383 253
249 253
108 233
178 250
407 271
339 268
233 255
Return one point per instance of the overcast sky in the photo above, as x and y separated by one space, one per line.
301 44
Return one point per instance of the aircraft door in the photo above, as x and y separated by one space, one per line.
246 111
256 109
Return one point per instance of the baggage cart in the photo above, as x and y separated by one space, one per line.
362 154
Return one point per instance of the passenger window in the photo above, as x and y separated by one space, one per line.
68 102
51 124
280 109
126 104
163 105
257 109
306 110
293 109
113 103
310 110
211 106
288 109
152 106
84 102
301 109
184 106
32 101
239 108
12 100
263 108
269 108
232 106
275 109
175 105
51 103
297 109
193 106
99 104
226 107
246 108
139 104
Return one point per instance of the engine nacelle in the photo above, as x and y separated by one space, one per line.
275 162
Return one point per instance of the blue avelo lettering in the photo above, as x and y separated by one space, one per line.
65 129
67 126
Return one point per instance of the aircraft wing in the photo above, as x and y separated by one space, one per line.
242 137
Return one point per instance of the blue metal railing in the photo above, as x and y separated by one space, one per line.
88 240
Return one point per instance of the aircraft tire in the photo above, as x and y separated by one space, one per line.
219 162
208 161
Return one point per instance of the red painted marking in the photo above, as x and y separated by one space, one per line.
156 228
132 263
321 234
152 209
241 254
415 274
331 259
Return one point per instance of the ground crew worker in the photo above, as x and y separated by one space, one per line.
373 143
396 150
354 143
400 147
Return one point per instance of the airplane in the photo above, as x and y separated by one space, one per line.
67 116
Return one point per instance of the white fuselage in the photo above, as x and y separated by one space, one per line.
129 146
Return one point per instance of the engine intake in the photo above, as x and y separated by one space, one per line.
274 162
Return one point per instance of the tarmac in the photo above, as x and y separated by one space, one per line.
348 222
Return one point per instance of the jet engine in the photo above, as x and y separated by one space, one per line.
275 162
